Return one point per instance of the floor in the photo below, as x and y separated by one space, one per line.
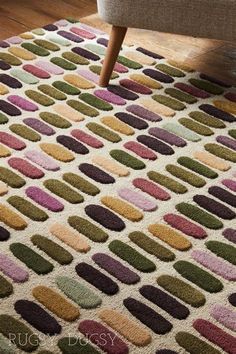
213 57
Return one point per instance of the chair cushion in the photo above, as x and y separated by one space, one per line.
199 18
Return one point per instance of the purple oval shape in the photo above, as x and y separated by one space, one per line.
39 126
143 113
110 97
71 36
116 268
12 270
10 81
44 199
166 136
22 103
9 109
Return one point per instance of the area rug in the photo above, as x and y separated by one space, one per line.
117 205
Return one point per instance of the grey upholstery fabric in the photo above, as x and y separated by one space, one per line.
199 18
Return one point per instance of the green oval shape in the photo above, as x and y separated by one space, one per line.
79 293
198 276
25 132
27 208
193 344
186 176
206 119
31 259
95 102
52 92
11 178
83 108
170 70
197 167
88 229
199 215
133 257
52 249
55 120
127 160
169 102
207 86
221 151
196 127
62 190
46 45
63 63
10 59
128 62
39 98
6 288
35 49
167 182
103 132
223 250
182 290
80 183
180 95
75 58
151 246
66 88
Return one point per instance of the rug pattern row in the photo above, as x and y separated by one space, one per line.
117 205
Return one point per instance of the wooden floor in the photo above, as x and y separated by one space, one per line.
213 57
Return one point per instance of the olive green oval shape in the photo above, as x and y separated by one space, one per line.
133 257
20 334
83 108
151 246
75 58
80 183
31 259
39 98
128 62
221 151
196 127
169 102
193 344
62 190
198 276
79 346
52 92
127 160
25 132
46 45
52 249
103 132
27 208
11 178
197 167
6 288
207 86
63 63
199 215
96 69
223 250
170 70
206 119
88 229
78 292
180 95
167 182
66 88
55 120
186 176
95 101
10 59
3 118
42 52
182 290
231 132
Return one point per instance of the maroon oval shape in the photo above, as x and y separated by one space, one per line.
26 168
96 173
72 144
105 217
9 109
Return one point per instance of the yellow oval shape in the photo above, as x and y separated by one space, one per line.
78 81
58 152
122 208
10 218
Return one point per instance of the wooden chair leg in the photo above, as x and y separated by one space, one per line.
116 39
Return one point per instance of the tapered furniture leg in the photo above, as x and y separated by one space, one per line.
116 39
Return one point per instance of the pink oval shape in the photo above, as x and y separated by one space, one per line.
110 97
137 199
42 74
215 264
119 68
82 33
25 168
140 150
91 29
61 23
42 160
44 199
192 90
89 75
12 142
151 189
184 225
87 138
94 330
14 40
22 103
12 270
224 315
134 86
229 183
49 67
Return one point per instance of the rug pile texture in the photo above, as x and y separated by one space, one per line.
117 205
